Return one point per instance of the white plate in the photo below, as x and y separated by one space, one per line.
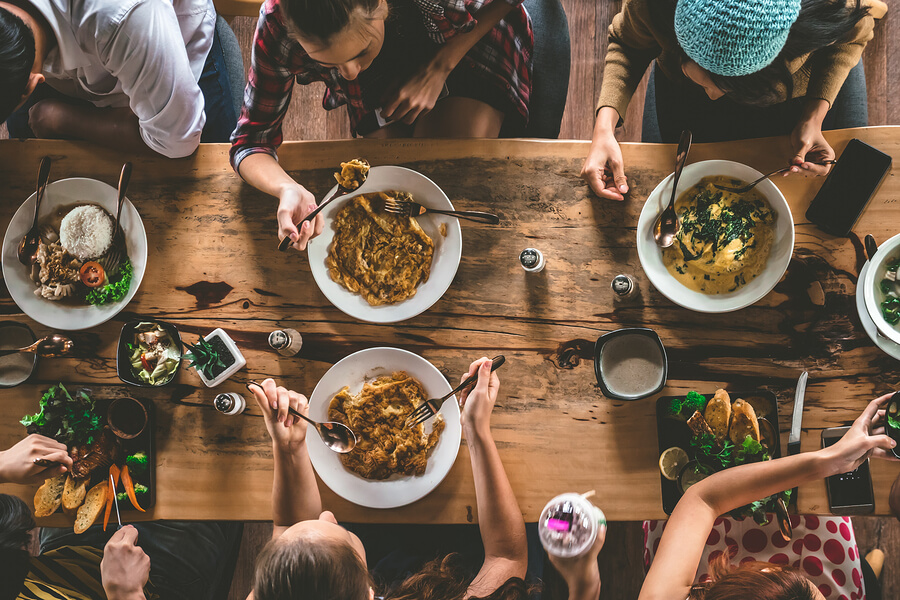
353 371
56 315
447 250
651 255
889 347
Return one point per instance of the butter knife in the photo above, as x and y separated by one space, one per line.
793 446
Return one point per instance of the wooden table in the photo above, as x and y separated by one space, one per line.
213 263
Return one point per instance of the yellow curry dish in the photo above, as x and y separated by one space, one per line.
724 240
383 257
352 174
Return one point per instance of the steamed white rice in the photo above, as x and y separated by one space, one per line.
86 232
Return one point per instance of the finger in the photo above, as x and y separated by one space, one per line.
284 401
595 180
618 172
260 395
58 456
286 226
305 234
882 442
46 442
884 455
817 170
484 377
464 393
390 107
128 534
800 156
870 411
319 223
412 115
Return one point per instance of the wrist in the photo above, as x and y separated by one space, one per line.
3 476
477 434
115 593
605 124
442 63
814 111
290 451
825 463
585 586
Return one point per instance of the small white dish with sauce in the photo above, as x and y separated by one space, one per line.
630 364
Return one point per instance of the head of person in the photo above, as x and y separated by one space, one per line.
768 582
320 560
16 525
17 59
344 34
742 49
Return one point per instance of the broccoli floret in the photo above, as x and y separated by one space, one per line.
675 406
140 490
137 462
694 401
122 497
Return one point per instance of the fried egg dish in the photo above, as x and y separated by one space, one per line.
385 446
381 256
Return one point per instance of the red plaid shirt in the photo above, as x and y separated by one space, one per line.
503 55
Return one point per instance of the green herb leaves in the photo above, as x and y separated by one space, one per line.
116 289
204 357
67 419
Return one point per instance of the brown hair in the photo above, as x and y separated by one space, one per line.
444 579
319 20
767 581
312 570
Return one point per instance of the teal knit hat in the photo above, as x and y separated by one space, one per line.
734 37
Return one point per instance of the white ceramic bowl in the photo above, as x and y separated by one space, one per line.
871 287
651 255
56 315
447 249
354 371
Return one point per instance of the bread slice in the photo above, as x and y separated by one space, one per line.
699 425
743 422
94 502
73 494
718 414
49 496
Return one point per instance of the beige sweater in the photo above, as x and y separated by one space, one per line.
644 30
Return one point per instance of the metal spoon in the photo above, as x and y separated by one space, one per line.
336 436
750 186
667 224
29 245
340 191
124 178
52 346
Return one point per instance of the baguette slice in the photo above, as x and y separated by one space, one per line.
73 494
49 496
94 502
743 422
718 414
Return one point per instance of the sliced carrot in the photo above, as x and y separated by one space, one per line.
129 488
110 494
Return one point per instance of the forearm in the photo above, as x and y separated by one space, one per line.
449 55
115 128
500 519
814 111
138 595
263 172
586 587
295 493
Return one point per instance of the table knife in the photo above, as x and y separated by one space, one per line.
794 439
115 500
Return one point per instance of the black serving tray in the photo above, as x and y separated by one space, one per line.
672 431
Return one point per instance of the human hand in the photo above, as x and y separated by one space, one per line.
582 573
48 118
865 438
477 402
417 96
125 568
810 147
604 169
294 203
17 463
287 431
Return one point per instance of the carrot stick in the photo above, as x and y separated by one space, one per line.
110 494
129 488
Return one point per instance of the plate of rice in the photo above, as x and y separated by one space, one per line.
80 278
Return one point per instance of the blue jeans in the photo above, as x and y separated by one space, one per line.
214 84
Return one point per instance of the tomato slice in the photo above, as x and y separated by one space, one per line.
92 274
146 363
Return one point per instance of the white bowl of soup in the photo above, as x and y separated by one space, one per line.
731 250
881 289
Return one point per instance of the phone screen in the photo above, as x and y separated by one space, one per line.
848 188
852 489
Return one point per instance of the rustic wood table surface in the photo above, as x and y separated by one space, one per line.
213 263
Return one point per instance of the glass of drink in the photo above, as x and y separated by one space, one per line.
569 525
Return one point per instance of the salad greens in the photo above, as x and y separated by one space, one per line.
68 419
890 305
685 407
115 289
154 354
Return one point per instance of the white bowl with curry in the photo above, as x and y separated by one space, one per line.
731 249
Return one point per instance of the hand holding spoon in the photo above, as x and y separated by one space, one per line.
667 224
29 245
52 346
336 436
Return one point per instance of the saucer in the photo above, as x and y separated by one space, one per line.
868 324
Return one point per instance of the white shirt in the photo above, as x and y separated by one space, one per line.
144 54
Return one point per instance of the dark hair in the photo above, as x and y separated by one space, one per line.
322 19
16 524
16 60
768 582
820 23
444 579
319 570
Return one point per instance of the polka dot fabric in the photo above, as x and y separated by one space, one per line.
823 548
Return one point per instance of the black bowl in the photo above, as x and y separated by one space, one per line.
123 354
893 431
598 351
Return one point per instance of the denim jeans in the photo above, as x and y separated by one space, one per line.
214 84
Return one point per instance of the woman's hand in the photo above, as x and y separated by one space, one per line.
865 438
581 572
417 96
604 169
477 403
287 431
17 463
294 203
808 143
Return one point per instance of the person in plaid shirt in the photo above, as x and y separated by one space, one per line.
403 68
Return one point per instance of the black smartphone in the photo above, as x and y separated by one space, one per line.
853 181
848 493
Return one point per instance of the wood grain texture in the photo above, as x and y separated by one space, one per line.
544 324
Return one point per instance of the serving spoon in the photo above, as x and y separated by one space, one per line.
29 245
667 224
52 346
337 436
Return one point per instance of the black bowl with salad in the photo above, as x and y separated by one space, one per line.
149 353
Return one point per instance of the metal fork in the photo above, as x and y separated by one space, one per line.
429 408
750 186
408 208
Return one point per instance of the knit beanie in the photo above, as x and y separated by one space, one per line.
734 37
